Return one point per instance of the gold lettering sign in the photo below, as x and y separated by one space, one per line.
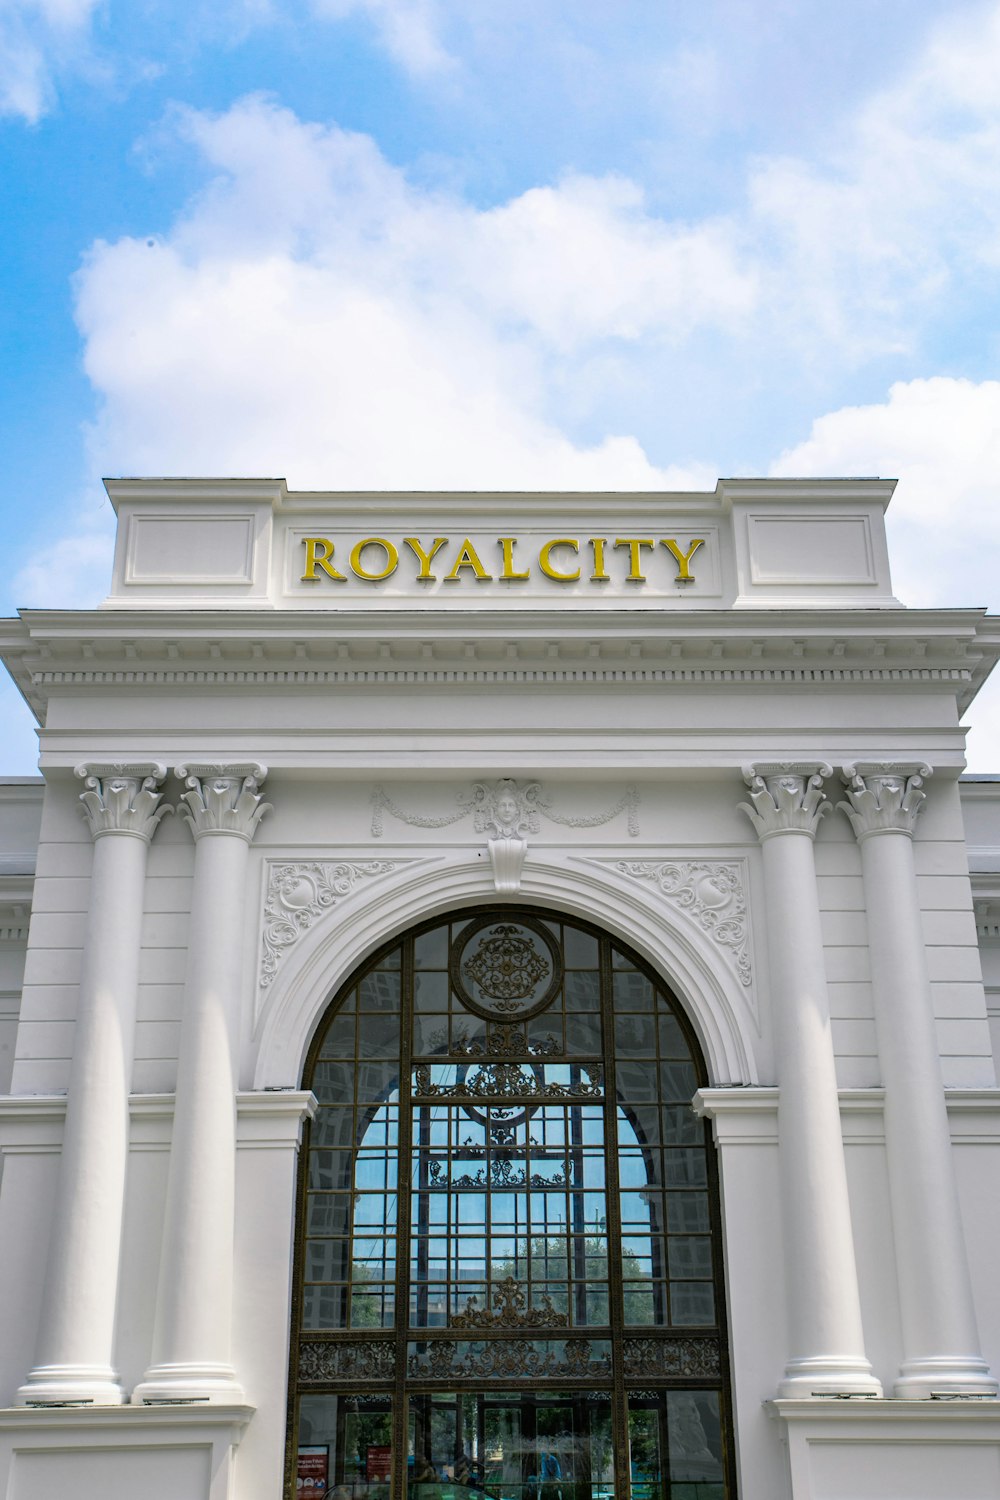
546 566
319 551
358 552
373 559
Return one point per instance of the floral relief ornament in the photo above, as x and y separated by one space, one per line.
712 893
884 797
223 798
123 798
298 894
786 797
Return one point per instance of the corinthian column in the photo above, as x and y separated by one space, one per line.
941 1350
192 1359
826 1343
76 1335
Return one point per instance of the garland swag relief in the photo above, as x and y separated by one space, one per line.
505 811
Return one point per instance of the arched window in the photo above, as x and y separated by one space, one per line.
507 1254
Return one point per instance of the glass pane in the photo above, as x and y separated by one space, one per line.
583 991
379 991
514 1446
580 949
695 1439
632 992
675 1444
430 949
344 1447
506 1247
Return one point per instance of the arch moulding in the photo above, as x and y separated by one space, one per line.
675 946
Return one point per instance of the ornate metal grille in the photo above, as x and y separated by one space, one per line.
505 1189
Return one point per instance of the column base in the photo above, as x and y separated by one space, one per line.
828 1375
165 1385
71 1385
920 1379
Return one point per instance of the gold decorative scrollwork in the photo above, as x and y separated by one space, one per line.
500 1080
652 1357
510 1310
359 1359
509 1359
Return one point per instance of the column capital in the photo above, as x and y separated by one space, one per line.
223 798
786 796
122 797
884 797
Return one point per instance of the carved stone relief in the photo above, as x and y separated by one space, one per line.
504 809
298 894
123 798
711 893
506 812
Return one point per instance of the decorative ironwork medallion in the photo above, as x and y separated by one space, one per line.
510 1310
506 971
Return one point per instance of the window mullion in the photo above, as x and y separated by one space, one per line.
616 1298
400 1435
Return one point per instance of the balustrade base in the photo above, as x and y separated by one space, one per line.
945 1375
828 1375
170 1384
71 1385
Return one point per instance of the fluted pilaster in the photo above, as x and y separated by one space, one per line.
192 1342
75 1357
826 1344
941 1350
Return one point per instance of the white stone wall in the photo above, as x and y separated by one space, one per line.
588 705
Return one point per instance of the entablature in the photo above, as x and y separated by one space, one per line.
57 652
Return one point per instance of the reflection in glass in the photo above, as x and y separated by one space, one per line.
344 1447
555 1446
526 1205
676 1453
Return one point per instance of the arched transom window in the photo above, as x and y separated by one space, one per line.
507 1266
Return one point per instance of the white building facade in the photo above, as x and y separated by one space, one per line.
495 998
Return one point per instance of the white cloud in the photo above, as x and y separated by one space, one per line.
314 313
943 437
408 30
900 215
73 571
311 299
38 38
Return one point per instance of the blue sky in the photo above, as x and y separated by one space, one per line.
420 243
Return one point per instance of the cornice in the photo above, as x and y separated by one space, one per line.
502 503
68 651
